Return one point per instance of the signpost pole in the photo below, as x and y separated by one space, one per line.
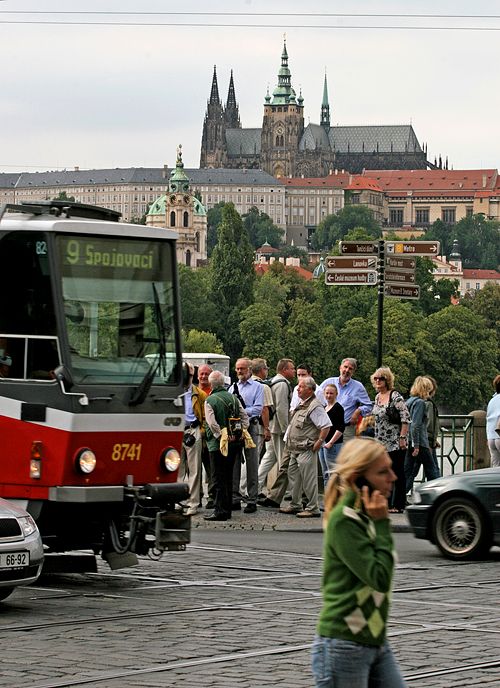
380 305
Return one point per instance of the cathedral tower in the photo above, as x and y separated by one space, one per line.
231 113
282 126
213 140
325 109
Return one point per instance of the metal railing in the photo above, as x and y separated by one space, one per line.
456 439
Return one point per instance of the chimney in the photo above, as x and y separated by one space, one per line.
484 181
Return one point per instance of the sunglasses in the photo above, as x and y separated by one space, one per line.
379 379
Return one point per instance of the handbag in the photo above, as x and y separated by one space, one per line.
392 413
497 426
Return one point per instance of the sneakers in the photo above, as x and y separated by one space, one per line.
307 514
289 510
191 511
250 509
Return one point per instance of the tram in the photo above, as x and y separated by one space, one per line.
91 380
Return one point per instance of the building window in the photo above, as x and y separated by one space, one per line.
172 218
396 216
469 211
422 216
478 286
449 216
185 220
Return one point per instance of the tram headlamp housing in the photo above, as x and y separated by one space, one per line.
85 460
170 459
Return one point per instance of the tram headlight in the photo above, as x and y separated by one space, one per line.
170 459
85 460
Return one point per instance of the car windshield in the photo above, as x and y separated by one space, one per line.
119 307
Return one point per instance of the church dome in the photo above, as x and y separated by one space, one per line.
159 206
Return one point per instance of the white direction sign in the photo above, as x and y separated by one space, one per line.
351 263
400 291
350 277
412 248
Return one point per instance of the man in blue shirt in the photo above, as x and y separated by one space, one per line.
251 395
352 396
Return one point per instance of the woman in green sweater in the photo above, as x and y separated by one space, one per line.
350 649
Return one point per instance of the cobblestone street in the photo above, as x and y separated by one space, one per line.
239 616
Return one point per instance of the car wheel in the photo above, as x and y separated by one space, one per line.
5 592
460 530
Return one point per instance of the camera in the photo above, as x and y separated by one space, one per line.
188 439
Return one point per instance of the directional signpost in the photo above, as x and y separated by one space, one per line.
351 277
390 264
412 248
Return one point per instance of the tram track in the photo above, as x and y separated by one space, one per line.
243 656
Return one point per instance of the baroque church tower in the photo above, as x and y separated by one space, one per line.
282 126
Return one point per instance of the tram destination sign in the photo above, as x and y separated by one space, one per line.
400 291
400 263
351 263
350 277
357 248
412 248
399 276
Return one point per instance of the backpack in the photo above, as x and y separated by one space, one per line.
271 384
234 425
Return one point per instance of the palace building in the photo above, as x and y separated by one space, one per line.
285 147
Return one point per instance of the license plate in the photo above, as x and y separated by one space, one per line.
14 560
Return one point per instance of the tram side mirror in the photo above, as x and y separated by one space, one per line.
63 378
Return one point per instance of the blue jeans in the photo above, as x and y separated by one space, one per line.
425 459
327 459
344 664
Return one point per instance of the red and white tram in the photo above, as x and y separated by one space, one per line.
91 405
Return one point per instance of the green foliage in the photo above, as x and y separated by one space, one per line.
478 240
463 357
63 196
214 218
261 330
486 303
310 339
434 294
261 228
197 308
335 227
195 341
340 304
232 277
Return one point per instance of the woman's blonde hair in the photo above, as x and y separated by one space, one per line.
355 457
387 374
422 387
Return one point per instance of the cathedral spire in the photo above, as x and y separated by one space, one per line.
214 93
325 107
231 113
284 93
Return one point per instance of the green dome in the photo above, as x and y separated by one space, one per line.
159 206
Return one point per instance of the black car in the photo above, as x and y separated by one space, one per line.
459 513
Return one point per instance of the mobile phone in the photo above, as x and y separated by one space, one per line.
361 482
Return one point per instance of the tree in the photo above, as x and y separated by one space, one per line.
197 307
261 330
434 294
486 303
462 356
335 227
261 228
232 277
63 196
214 218
478 240
195 341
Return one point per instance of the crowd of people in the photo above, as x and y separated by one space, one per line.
293 429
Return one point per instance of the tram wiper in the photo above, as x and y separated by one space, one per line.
160 364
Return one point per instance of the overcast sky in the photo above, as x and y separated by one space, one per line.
83 93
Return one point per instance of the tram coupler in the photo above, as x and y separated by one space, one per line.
172 531
163 494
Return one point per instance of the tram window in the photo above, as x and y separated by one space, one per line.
27 303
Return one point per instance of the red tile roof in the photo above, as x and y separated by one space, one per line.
262 268
481 274
341 180
445 180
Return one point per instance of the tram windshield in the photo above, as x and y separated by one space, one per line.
119 309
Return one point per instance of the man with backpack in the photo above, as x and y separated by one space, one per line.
222 412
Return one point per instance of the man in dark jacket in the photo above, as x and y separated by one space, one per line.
220 406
